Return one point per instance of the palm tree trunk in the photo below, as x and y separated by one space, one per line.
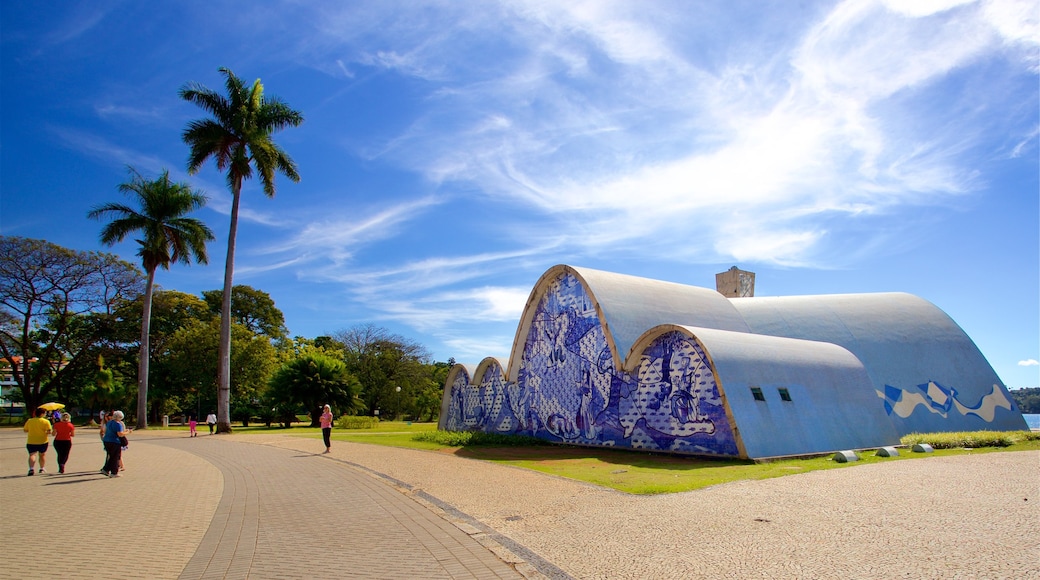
143 356
224 355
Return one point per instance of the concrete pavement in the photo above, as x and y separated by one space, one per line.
222 507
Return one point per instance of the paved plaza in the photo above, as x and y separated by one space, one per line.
272 506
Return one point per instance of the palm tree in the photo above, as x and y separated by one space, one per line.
238 138
167 236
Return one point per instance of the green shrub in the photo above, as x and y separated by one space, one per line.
471 438
357 422
972 439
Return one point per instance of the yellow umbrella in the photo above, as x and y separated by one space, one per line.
51 406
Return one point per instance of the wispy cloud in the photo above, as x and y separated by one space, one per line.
109 153
334 239
1028 363
822 135
599 128
104 150
76 21
112 111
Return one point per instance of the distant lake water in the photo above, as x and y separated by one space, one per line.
1033 421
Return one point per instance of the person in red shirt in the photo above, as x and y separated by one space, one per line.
64 431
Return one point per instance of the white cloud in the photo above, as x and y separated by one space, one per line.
1028 363
474 348
599 127
1015 21
923 7
567 138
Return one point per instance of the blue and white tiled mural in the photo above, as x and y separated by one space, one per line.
940 400
568 389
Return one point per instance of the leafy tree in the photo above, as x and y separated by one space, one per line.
238 138
428 401
299 345
45 291
313 380
382 362
171 311
191 362
1028 399
103 339
106 390
251 308
167 236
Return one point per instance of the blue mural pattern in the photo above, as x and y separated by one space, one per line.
568 390
942 401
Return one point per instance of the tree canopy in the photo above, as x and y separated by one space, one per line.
55 305
313 380
252 308
384 362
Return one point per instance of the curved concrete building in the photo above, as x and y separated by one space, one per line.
621 361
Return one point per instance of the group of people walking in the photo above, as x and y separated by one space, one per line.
39 429
113 437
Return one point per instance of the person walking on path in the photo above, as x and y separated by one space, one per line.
192 423
211 420
64 431
326 427
114 429
36 442
106 416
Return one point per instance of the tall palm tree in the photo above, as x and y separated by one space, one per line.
167 236
238 138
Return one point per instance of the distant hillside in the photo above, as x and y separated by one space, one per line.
1028 400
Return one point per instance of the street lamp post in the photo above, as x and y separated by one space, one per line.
397 411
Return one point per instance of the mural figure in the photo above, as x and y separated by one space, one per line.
676 405
568 389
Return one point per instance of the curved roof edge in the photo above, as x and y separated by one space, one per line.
627 306
483 365
448 382
747 347
812 391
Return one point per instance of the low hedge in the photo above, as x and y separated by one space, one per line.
357 422
471 438
970 439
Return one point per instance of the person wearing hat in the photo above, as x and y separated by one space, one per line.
36 442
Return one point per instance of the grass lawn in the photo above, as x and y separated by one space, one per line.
628 471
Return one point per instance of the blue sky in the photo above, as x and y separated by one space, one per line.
454 151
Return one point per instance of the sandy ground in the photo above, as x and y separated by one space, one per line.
936 517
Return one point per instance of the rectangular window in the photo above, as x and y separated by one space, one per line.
757 394
784 395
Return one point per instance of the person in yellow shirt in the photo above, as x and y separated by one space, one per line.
36 443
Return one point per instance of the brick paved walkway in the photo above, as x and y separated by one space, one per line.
215 507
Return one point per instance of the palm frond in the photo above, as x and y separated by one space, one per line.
167 235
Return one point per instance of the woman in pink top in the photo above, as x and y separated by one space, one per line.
326 427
